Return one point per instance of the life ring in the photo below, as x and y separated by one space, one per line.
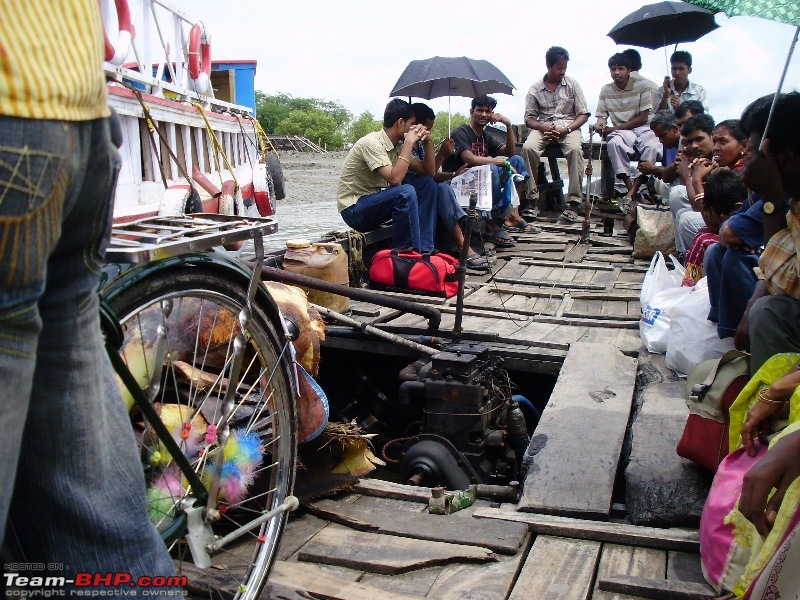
116 53
199 57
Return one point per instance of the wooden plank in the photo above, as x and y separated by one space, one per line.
622 296
322 584
575 254
660 589
580 285
619 533
685 566
545 263
385 554
628 560
458 529
297 532
531 293
482 582
415 583
573 475
557 568
396 491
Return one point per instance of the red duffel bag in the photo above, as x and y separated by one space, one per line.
431 273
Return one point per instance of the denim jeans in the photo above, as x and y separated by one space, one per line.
79 496
449 210
501 203
411 207
731 282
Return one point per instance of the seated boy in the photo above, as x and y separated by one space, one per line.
724 193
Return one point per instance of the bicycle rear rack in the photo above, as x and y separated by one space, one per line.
156 238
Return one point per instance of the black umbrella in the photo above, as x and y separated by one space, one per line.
664 23
451 76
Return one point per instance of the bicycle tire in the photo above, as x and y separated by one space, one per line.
197 295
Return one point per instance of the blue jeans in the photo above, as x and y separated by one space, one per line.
79 496
501 200
731 282
411 207
449 210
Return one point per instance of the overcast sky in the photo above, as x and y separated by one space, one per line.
354 51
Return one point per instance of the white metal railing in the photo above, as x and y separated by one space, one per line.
160 44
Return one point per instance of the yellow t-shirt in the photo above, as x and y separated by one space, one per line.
51 60
358 177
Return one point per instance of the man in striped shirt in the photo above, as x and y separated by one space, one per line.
628 104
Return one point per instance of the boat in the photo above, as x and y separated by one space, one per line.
187 120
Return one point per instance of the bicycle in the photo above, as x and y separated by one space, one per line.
206 367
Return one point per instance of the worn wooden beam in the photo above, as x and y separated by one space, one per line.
660 589
618 533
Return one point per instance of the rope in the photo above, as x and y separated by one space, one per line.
262 135
216 144
356 267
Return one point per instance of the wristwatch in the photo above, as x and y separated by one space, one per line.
569 129
768 208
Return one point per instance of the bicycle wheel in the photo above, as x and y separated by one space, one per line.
197 312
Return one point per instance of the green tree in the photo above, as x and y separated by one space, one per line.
315 124
272 109
440 125
364 124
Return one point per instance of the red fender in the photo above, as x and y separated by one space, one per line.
116 54
199 57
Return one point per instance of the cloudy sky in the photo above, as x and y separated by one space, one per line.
353 51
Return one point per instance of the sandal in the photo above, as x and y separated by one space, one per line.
570 216
476 262
530 213
522 227
501 239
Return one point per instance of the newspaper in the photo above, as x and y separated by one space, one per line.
478 180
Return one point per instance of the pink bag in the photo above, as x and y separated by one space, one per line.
724 560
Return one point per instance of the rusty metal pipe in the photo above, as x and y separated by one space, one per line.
430 313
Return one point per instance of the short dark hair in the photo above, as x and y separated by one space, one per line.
681 56
665 118
784 129
396 109
735 129
423 112
693 106
724 189
620 59
636 58
484 101
555 54
698 122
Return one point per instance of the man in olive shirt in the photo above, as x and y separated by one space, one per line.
371 188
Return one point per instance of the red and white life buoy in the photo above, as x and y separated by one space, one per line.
199 57
118 51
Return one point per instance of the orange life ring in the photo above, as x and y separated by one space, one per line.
199 57
116 53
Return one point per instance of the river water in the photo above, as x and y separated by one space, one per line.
310 220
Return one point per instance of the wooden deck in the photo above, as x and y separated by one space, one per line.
550 306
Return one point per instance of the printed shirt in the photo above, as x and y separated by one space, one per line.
51 60
692 92
559 107
779 262
622 105
487 144
359 175
694 258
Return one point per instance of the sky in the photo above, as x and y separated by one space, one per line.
353 51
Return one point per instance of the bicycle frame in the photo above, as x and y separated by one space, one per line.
196 512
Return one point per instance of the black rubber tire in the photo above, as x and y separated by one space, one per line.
276 172
186 288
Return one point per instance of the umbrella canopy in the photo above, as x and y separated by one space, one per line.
664 23
785 11
451 76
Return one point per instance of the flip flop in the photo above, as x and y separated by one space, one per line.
501 239
476 262
530 213
569 215
522 227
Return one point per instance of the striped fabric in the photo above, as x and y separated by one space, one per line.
51 56
779 262
624 105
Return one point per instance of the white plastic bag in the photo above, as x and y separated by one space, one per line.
659 278
655 321
692 337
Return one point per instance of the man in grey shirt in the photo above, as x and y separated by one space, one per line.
555 110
